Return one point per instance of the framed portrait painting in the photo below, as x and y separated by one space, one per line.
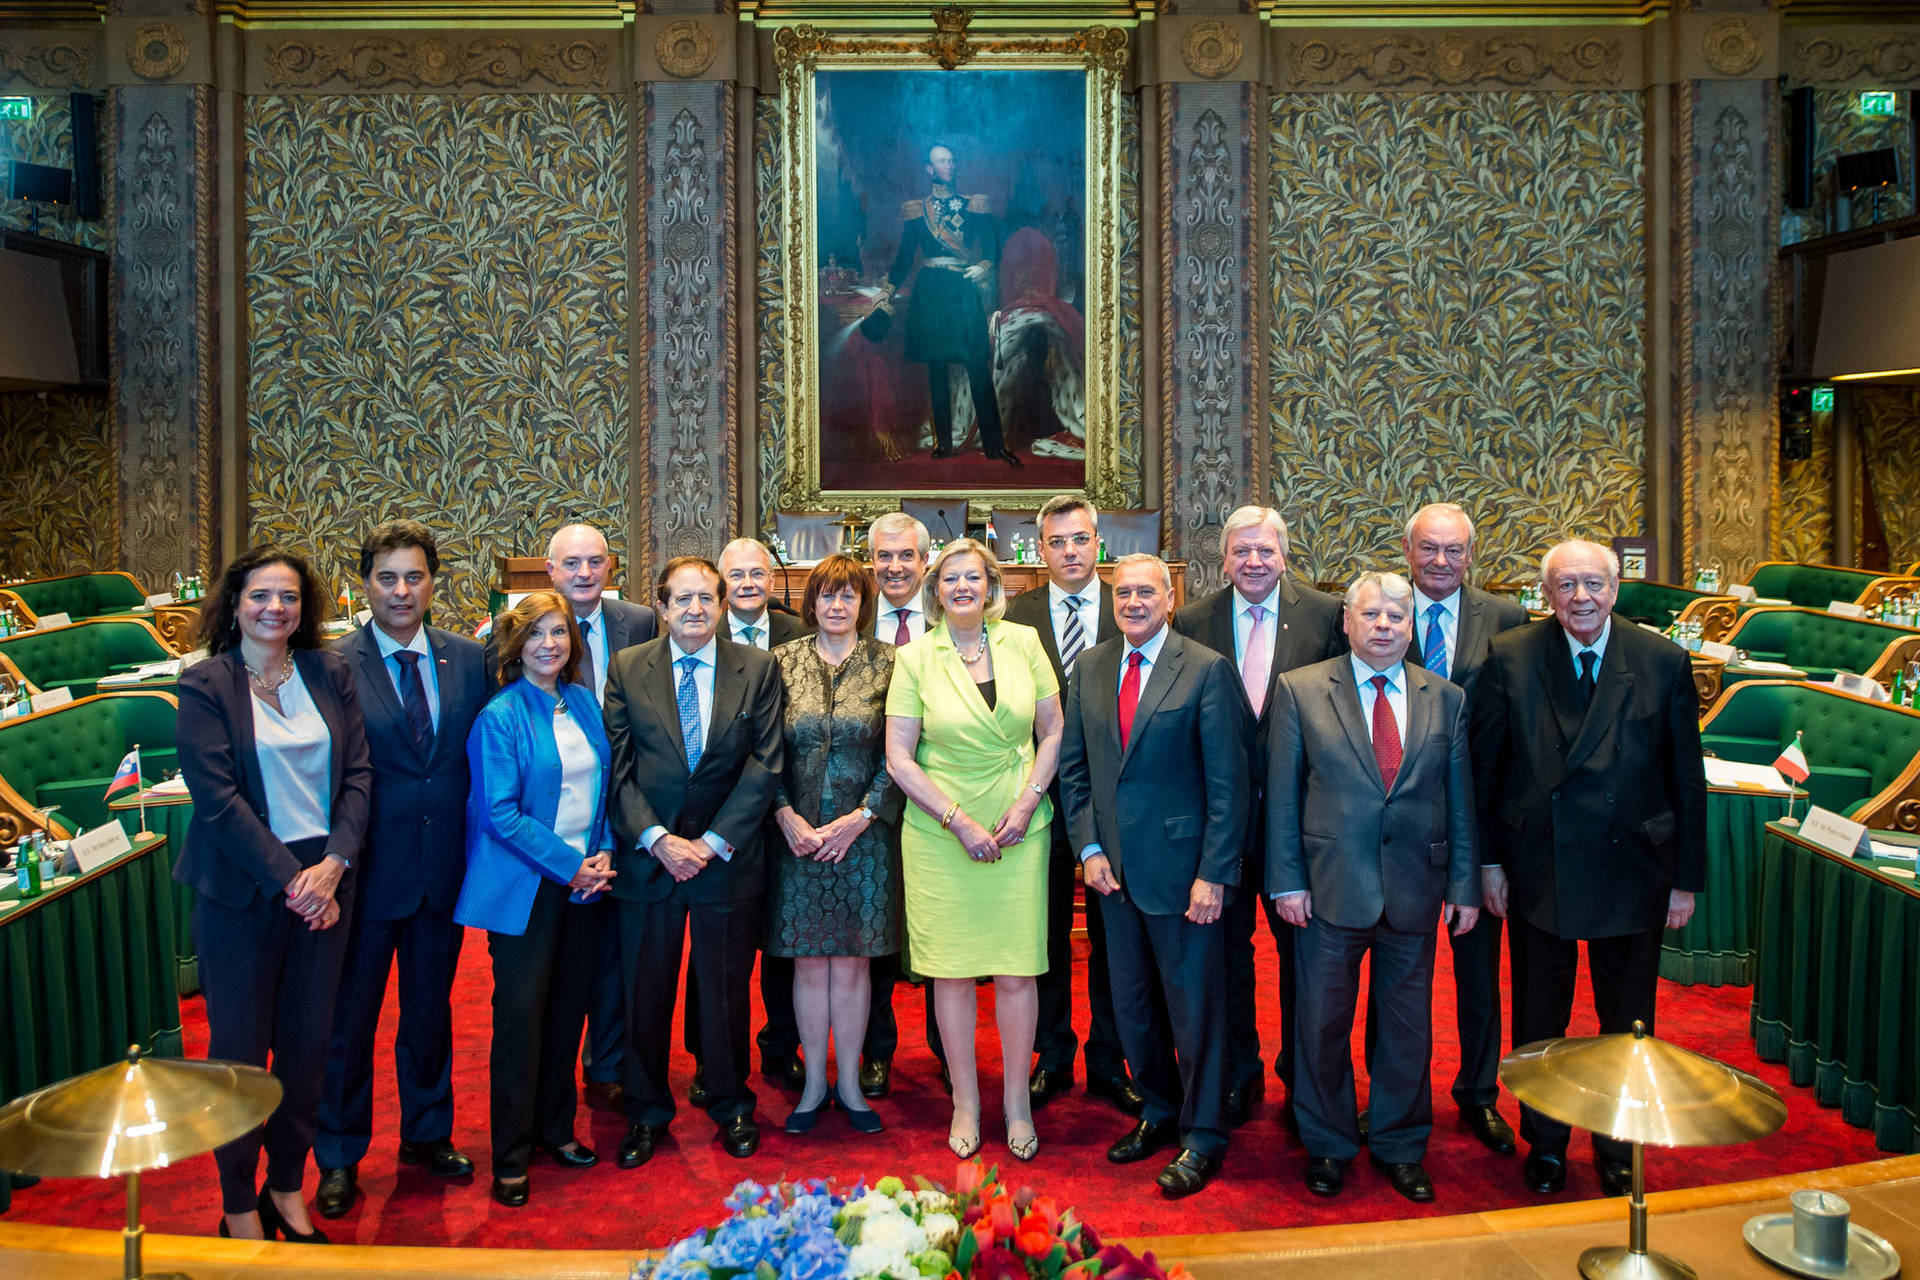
950 269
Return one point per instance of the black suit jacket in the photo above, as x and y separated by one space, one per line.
1483 616
416 852
729 793
1035 609
627 624
1309 632
1595 816
780 627
1172 807
231 854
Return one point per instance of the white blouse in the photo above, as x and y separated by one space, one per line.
295 749
579 784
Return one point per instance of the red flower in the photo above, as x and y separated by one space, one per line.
1000 1213
1035 1237
968 1177
1117 1262
998 1264
1044 1206
983 1234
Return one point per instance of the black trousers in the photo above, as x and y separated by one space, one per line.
540 985
1400 1079
427 944
1476 989
986 404
779 1035
1626 976
270 984
1244 1065
724 937
1055 1039
1168 973
607 1000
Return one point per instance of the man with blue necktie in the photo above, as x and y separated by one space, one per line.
1453 627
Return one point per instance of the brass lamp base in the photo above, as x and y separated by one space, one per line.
1617 1262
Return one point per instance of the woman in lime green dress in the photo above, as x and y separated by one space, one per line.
973 737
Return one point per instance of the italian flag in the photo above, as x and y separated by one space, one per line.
1793 761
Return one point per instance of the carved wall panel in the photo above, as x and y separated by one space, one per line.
1830 57
434 62
1470 58
30 62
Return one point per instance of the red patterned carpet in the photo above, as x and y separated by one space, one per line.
607 1208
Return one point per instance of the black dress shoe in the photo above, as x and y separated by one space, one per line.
336 1192
1143 1140
876 1077
1408 1178
1242 1098
1616 1176
785 1070
1490 1127
574 1155
740 1137
1187 1172
512 1194
1118 1090
440 1157
1545 1171
1366 1125
697 1096
1325 1175
945 451
1012 459
1046 1084
606 1095
637 1147
271 1221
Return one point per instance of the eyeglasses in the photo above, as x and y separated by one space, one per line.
742 575
1059 543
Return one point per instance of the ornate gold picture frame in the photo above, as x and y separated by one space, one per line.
1098 57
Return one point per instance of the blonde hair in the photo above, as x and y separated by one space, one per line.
996 590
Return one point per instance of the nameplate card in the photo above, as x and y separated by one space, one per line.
1713 649
1846 609
159 598
1834 833
96 848
1742 592
52 698
48 621
1860 686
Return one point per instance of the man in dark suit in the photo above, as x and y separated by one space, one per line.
747 568
420 688
1592 795
1370 837
694 722
1068 614
1266 624
1153 768
1453 629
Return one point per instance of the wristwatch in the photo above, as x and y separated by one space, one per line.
865 812
1036 789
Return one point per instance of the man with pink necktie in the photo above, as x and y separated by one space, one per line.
1266 623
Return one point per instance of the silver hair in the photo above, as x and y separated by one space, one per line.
900 522
1582 544
1249 516
1440 509
1392 586
748 544
996 607
1147 557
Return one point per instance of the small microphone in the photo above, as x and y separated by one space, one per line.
942 513
786 579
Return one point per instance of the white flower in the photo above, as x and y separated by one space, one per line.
893 1231
934 1201
943 1231
870 1259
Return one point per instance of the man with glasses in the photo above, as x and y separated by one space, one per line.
1071 613
746 567
1592 800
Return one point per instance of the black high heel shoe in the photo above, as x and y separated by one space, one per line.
863 1119
271 1222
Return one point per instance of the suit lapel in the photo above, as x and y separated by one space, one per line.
1421 696
1093 666
662 684
1044 625
245 748
1160 678
1468 636
1346 708
1612 683
729 690
1554 663
375 683
442 669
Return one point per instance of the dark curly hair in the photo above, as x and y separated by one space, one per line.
219 628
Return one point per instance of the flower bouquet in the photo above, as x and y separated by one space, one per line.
977 1230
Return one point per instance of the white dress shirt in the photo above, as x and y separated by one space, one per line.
295 750
1243 624
1396 694
761 626
596 624
886 623
579 784
1449 624
429 678
1149 654
1089 614
1598 647
703 691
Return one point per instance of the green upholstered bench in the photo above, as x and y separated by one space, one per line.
1811 586
66 756
78 595
1659 603
1863 756
1820 643
76 657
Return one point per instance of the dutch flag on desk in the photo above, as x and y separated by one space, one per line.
127 775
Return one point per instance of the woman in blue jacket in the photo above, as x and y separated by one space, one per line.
537 841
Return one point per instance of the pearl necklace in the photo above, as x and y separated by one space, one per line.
977 654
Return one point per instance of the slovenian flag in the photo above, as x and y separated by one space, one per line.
1793 761
127 775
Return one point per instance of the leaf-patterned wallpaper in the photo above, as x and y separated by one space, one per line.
1456 315
438 320
48 139
59 447
1889 422
1838 130
1806 501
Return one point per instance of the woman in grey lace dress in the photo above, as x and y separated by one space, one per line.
836 895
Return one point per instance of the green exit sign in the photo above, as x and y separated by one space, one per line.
16 108
1879 102
1823 399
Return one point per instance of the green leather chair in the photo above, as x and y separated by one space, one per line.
1863 757
1819 643
76 657
1811 586
1659 603
78 595
67 755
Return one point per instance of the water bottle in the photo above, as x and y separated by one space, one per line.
26 870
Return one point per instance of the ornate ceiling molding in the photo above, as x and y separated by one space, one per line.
48 62
1211 49
157 51
1456 60
685 48
1731 46
437 62
1831 57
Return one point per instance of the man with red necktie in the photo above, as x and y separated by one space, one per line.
1371 839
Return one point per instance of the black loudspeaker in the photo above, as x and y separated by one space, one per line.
1800 143
1866 169
41 183
86 158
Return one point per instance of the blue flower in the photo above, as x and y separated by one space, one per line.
747 1194
741 1243
815 1256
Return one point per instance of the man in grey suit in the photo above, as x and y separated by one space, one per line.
1370 837
1153 770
